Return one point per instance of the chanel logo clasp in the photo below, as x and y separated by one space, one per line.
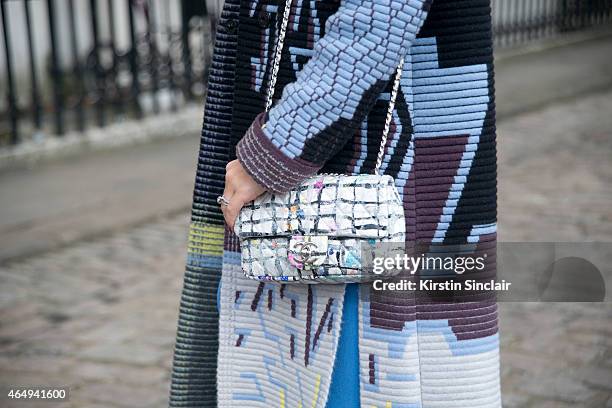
303 251
308 250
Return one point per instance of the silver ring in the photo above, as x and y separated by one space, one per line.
221 200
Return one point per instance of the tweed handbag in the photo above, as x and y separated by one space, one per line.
330 228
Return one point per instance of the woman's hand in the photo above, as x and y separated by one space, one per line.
240 188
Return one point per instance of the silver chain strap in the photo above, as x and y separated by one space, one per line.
275 67
383 141
277 54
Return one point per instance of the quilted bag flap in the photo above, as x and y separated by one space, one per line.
359 206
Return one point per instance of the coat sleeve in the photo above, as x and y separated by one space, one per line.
317 113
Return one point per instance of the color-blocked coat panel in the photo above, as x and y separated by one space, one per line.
441 152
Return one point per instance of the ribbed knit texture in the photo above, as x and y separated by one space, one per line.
195 354
320 111
265 162
441 152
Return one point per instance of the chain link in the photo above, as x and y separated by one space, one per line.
277 54
274 74
383 141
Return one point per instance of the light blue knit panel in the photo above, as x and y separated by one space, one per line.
363 43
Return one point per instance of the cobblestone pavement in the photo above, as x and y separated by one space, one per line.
556 185
100 316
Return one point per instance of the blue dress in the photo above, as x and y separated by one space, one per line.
344 388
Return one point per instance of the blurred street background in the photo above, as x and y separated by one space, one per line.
100 114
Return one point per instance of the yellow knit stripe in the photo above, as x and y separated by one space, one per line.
282 398
317 388
206 239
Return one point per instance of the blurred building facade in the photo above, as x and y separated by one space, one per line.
66 65
70 64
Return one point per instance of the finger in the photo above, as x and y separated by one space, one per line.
225 208
228 193
229 187
232 210
231 164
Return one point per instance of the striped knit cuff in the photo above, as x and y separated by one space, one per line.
267 164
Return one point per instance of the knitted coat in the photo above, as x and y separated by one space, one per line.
274 345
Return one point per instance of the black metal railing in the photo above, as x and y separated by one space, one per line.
71 64
516 22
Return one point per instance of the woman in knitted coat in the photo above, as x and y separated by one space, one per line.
270 345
